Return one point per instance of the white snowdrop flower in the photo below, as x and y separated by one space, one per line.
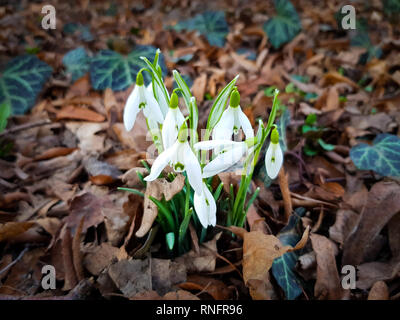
141 98
205 207
230 152
274 156
173 121
181 157
232 119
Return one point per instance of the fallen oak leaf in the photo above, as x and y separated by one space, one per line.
259 252
382 204
328 284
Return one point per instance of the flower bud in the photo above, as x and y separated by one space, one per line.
235 99
174 101
275 136
139 79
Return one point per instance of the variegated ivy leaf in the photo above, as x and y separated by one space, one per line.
284 26
211 24
283 268
382 157
21 82
110 69
77 62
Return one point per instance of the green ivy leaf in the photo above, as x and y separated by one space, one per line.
109 69
382 157
284 26
283 268
5 111
21 82
211 24
77 62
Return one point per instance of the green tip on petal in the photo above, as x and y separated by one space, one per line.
275 136
235 99
174 101
183 133
139 79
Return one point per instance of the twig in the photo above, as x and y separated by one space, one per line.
15 261
287 201
25 126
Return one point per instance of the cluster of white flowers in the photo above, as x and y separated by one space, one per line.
176 151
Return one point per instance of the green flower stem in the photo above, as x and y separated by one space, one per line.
239 211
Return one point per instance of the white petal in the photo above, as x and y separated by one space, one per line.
169 131
152 108
224 127
224 160
179 118
161 162
245 124
131 109
193 168
200 206
211 144
273 167
212 207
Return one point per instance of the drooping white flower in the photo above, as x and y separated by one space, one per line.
229 153
274 156
232 119
163 99
205 207
141 98
181 157
172 123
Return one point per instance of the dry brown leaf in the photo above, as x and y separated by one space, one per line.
334 77
125 159
79 113
215 288
199 87
382 204
259 252
68 260
76 251
165 274
371 272
204 260
379 291
80 87
131 179
89 140
345 221
54 152
10 230
328 284
131 276
97 258
88 206
158 189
